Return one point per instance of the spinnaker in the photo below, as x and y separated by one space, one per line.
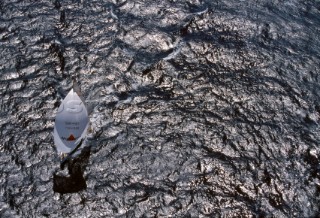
71 123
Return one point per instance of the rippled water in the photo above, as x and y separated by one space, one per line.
197 108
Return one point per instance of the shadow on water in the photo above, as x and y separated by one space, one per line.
75 182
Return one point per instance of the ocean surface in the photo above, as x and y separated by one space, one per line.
198 108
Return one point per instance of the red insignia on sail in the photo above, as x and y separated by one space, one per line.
71 138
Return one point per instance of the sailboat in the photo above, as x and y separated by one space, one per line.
71 124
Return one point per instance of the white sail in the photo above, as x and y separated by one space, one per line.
71 123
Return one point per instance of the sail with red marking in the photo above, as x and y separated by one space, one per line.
71 123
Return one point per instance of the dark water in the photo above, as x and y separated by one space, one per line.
198 108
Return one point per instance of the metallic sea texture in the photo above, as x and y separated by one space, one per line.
197 108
